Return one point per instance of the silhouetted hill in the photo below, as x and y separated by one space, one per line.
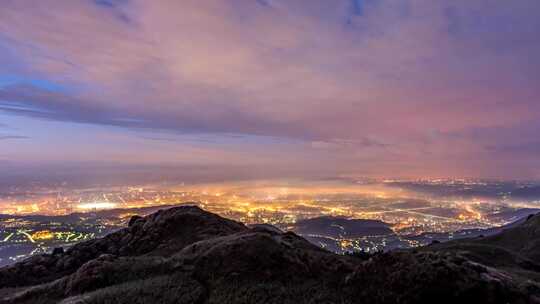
162 233
523 239
428 237
187 255
342 227
515 249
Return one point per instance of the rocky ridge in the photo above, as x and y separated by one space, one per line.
187 255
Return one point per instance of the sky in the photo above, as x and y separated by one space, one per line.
271 88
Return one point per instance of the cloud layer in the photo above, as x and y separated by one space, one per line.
376 83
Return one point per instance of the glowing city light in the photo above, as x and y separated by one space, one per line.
43 235
97 205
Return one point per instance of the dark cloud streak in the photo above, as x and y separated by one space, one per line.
6 137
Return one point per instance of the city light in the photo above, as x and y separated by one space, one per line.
415 218
97 205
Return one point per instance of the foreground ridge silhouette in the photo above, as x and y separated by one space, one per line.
188 255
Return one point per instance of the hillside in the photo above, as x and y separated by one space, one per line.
187 255
515 249
342 227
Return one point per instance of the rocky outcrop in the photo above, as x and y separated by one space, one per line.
516 248
187 255
434 277
160 234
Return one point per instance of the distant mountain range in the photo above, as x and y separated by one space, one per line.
187 255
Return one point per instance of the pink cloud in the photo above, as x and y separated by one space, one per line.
404 73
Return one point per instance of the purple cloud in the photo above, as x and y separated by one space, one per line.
383 82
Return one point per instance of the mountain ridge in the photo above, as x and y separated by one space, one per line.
187 255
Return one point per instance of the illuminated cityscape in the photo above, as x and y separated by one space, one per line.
372 215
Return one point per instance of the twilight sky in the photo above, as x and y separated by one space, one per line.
272 88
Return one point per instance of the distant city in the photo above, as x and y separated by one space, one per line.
340 215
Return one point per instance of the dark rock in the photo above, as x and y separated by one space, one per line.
187 255
58 251
133 219
163 233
